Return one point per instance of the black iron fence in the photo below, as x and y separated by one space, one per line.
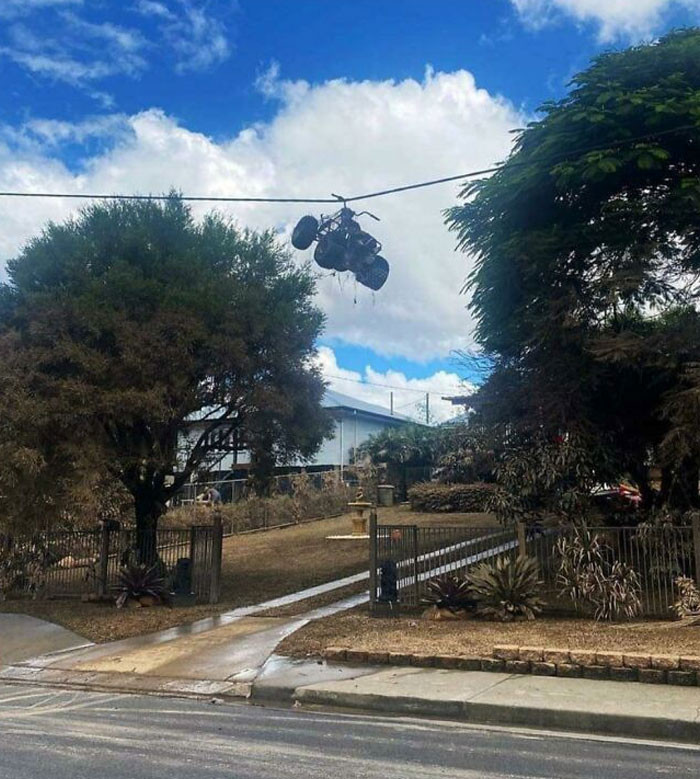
87 562
404 558
659 555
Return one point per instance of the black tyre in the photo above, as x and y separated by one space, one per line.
374 275
305 232
361 251
330 254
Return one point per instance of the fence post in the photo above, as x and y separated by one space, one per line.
522 539
416 586
216 551
696 545
104 561
372 560
193 550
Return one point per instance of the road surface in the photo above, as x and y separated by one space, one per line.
80 735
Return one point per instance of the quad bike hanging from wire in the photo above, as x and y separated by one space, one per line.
342 245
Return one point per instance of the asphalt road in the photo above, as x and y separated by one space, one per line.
75 735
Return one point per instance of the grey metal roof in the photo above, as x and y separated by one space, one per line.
334 399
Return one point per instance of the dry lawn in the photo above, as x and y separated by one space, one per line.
474 637
256 567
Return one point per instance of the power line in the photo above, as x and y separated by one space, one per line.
394 387
366 196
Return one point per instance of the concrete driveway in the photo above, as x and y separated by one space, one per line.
23 637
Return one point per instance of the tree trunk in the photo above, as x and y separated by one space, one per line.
262 468
679 486
149 509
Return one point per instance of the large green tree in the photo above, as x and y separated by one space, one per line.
119 326
587 246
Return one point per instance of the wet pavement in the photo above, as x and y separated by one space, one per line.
219 655
22 637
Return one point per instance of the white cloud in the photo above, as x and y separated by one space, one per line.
409 394
55 39
10 9
340 136
630 19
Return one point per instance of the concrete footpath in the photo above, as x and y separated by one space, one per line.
22 637
613 708
628 709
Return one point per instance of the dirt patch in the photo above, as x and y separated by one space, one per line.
256 567
474 637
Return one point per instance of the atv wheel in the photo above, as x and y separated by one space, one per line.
330 254
374 275
305 232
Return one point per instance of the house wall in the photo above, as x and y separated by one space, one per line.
356 429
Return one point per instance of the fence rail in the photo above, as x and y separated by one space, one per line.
87 562
234 490
404 558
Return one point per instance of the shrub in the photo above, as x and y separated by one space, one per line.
589 578
449 592
507 589
617 592
429 496
688 603
141 581
304 502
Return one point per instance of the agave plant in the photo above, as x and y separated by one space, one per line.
138 581
449 592
507 589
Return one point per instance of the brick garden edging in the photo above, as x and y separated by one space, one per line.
544 661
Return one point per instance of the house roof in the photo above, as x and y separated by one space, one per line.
333 399
336 400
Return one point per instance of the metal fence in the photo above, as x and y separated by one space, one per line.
404 558
88 562
658 554
233 490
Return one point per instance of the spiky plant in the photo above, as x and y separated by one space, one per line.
617 593
581 558
137 581
507 589
688 603
450 592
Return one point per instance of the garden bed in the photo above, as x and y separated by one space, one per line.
413 635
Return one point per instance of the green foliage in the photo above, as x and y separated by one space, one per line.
408 444
119 326
585 285
139 581
468 453
429 496
450 592
540 477
590 577
507 589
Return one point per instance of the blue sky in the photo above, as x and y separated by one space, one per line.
305 98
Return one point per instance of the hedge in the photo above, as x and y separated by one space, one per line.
429 496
